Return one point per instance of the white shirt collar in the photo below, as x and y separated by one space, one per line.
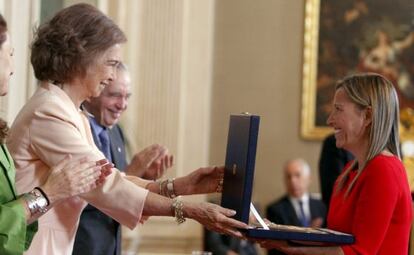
306 207
304 199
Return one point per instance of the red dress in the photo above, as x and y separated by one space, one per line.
377 211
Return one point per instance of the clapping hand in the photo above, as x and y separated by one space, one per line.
72 177
150 163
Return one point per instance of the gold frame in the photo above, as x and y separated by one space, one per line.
310 58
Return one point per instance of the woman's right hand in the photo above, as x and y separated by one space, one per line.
214 217
73 177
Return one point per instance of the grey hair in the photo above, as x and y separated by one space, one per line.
374 91
305 166
122 68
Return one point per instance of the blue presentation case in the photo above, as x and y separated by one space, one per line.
238 185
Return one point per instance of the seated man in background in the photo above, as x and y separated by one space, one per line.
97 232
297 207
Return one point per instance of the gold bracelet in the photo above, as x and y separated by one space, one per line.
163 192
177 207
161 188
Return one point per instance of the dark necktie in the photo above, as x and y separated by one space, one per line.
105 144
302 217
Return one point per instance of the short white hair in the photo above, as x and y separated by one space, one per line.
305 166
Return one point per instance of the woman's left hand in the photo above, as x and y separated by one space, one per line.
201 181
72 177
215 218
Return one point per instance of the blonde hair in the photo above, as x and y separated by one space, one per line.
375 91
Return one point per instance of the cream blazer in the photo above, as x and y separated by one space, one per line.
47 128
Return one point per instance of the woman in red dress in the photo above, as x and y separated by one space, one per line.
371 199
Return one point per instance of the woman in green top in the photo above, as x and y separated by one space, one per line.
18 213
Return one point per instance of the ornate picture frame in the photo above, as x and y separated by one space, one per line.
344 37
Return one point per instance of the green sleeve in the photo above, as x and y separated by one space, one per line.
15 235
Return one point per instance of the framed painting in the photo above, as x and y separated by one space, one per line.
352 36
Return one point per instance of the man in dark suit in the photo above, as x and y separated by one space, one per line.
331 163
99 234
297 207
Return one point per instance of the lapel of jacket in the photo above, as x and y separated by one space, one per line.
79 116
114 145
4 157
117 148
88 131
291 212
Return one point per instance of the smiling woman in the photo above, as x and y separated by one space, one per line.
18 213
113 101
74 55
371 198
80 59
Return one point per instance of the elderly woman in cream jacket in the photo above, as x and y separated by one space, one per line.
74 56
69 177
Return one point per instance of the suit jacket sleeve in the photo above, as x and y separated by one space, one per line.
55 132
15 234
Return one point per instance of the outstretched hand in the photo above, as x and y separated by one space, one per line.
216 218
204 180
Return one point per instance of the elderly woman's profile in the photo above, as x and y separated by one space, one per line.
74 56
19 211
